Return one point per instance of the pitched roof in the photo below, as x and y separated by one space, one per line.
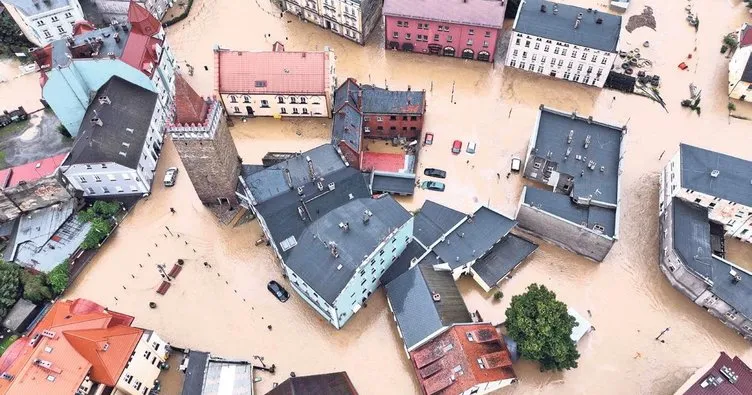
271 72
747 74
418 314
745 35
433 221
140 52
193 380
34 7
30 172
330 384
19 316
488 13
560 26
733 181
719 374
412 253
190 108
503 258
107 349
376 100
451 362
142 21
125 124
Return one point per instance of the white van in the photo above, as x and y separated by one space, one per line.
471 146
170 175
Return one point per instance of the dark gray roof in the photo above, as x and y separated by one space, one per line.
503 258
413 251
399 183
347 126
734 179
19 317
312 260
270 182
281 213
247 170
474 237
131 108
418 315
691 229
562 206
34 7
382 101
560 26
747 74
61 51
348 92
193 380
319 384
433 221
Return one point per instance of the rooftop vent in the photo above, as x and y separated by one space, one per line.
735 276
556 9
543 8
730 374
570 136
123 154
711 380
715 173
331 186
300 191
288 177
589 10
578 21
104 100
333 249
436 297
48 333
366 218
105 346
345 226
320 186
6 376
587 141
97 122
599 21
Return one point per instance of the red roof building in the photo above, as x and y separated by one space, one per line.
725 376
467 357
142 21
190 108
30 172
745 35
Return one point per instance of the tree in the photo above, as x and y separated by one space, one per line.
35 287
542 327
11 37
100 209
59 277
9 285
100 228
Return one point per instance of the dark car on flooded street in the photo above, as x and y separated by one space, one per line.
433 186
431 172
277 290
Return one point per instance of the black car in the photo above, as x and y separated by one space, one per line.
277 290
431 172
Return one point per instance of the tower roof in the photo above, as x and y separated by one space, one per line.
189 106
142 21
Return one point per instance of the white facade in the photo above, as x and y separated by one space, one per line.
738 89
110 178
46 25
158 8
268 105
343 17
144 367
491 386
558 59
164 76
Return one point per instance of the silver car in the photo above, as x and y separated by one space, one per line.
170 175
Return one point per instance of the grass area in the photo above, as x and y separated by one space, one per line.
14 129
7 342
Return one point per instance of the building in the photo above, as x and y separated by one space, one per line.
724 376
106 11
465 359
205 146
578 161
333 240
330 384
352 19
81 347
706 197
118 146
73 69
20 316
740 67
275 83
44 21
210 375
467 29
564 41
30 187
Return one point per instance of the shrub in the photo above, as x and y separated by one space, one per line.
10 281
59 277
35 287
100 228
498 295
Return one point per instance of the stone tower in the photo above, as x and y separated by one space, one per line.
205 146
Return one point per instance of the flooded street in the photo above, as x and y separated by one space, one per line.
226 309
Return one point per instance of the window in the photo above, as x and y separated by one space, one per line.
561 63
147 354
524 54
425 26
408 36
379 119
126 176
569 65
579 67
471 32
517 41
405 24
233 99
395 35
105 190
553 62
522 65
567 75
294 110
293 100
137 385
68 15
413 118
514 53
305 110
246 99
283 110
97 178
540 69
604 60
82 179
545 49
534 57
543 59
564 52
537 45
54 18
366 119
488 34
586 80
47 33
590 69
469 41
527 44
512 63
595 57
40 22
531 67
574 54
264 103
556 51
119 189
90 191
485 44
236 110
435 37
399 23
281 100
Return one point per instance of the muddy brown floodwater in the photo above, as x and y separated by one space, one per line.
226 309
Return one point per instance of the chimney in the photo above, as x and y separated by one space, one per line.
735 277
436 297
556 9
116 36
311 171
333 249
345 226
599 21
97 121
288 177
578 21
543 8
104 100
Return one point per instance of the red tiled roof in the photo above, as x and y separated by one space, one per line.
69 342
142 21
271 72
82 27
742 385
448 364
190 108
140 52
31 171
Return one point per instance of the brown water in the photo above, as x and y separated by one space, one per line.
629 299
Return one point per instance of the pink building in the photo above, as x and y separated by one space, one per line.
458 28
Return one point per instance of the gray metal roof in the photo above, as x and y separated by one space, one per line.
562 206
399 183
311 258
34 7
733 181
125 120
474 237
347 125
418 314
348 92
62 55
22 313
413 251
561 25
747 74
691 229
376 100
271 183
503 258
433 221
193 379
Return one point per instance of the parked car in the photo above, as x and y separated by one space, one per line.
471 147
516 165
433 185
170 175
278 292
428 140
431 172
456 147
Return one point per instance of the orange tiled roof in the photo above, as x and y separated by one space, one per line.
62 355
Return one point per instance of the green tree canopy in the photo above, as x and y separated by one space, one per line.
10 281
59 277
542 327
35 287
100 209
100 228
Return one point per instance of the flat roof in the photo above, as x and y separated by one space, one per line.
562 206
193 378
732 181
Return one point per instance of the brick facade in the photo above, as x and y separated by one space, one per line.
386 126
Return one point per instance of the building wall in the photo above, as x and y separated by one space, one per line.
267 105
485 388
475 39
738 89
46 27
350 155
351 19
139 374
158 8
559 59
163 79
210 159
387 126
